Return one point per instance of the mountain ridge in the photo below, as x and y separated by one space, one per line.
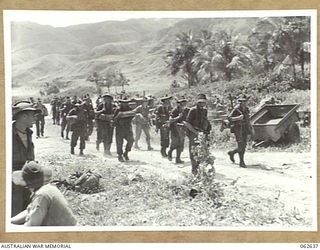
136 47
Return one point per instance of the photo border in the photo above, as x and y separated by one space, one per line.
177 236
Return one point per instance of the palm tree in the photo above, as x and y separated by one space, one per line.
180 59
216 55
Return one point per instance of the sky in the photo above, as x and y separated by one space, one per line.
67 18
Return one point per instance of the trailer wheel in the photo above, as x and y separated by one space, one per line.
293 134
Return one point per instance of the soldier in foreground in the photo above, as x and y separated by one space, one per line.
197 121
162 118
143 123
78 119
23 116
178 115
240 126
48 206
104 115
123 116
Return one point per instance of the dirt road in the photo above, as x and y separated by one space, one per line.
287 177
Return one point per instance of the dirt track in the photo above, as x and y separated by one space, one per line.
284 176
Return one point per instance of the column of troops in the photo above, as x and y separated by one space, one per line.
78 117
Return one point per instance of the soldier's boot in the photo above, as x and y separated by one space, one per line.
125 156
120 158
163 152
97 145
67 136
178 157
81 152
62 135
170 154
107 149
136 145
194 170
72 150
149 145
231 155
242 164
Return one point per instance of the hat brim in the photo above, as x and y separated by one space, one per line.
183 100
37 111
167 98
202 100
105 96
242 100
17 178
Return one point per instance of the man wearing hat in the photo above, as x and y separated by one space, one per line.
90 115
48 207
104 114
122 121
162 117
240 126
178 115
23 116
198 120
78 118
40 122
64 111
143 123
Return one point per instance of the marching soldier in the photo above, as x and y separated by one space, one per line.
78 118
40 122
64 111
240 126
197 121
122 121
55 106
143 123
104 114
162 118
23 116
90 115
178 115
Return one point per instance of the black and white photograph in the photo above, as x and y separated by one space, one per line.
160 120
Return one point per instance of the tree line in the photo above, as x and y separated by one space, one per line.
276 46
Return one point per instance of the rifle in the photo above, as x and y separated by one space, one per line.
231 100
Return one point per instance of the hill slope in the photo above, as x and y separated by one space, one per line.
136 47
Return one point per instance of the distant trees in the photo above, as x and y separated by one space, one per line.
274 44
200 59
111 78
283 43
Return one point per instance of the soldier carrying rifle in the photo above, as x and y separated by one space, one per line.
143 123
122 121
104 115
240 126
197 121
178 115
162 117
